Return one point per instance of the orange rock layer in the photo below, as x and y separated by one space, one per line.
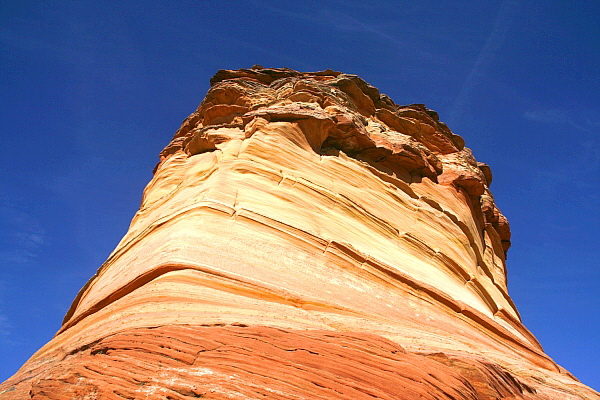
253 362
303 237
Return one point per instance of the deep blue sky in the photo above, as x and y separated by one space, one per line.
92 91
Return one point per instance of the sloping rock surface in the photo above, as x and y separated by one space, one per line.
303 237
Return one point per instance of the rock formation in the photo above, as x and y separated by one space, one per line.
303 237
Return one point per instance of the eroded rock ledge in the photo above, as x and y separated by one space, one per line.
303 237
340 113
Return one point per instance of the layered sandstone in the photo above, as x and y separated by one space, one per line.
303 237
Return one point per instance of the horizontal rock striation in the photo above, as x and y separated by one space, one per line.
303 237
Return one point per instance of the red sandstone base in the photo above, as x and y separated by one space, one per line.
259 362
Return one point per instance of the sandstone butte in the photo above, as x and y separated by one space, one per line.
303 237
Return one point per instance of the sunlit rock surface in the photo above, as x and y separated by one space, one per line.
303 237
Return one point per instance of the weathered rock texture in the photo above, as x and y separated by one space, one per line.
303 237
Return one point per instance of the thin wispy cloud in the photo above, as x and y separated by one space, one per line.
342 21
546 116
583 121
345 22
6 326
334 18
487 53
22 236
588 128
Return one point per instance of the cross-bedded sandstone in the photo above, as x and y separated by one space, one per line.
303 237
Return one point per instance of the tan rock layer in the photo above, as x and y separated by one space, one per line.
303 237
356 119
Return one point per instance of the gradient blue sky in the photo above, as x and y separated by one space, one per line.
92 91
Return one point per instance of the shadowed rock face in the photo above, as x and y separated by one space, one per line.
303 237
